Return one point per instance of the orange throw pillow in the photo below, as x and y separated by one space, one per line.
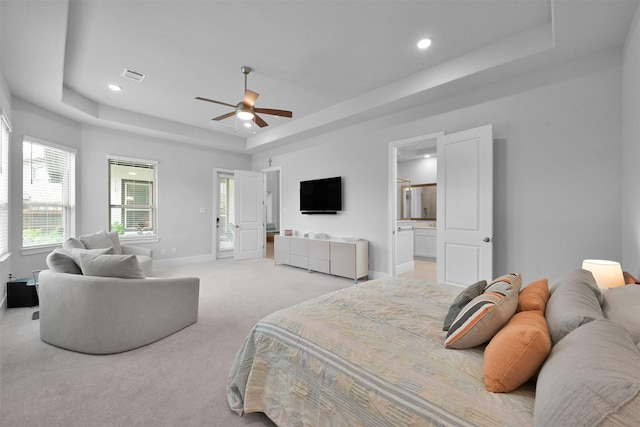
534 296
516 352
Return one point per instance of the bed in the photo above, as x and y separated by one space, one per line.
369 355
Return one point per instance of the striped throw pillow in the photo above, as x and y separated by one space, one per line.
486 314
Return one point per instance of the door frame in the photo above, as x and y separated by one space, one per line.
393 191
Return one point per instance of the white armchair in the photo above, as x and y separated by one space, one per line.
103 315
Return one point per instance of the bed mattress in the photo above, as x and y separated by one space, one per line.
368 355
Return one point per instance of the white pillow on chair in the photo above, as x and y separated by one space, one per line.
121 266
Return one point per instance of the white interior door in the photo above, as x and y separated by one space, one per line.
465 206
249 225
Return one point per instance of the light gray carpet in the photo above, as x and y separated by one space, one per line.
177 381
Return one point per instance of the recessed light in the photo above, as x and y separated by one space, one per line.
426 156
115 88
424 43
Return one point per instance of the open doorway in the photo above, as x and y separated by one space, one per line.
225 216
414 173
272 211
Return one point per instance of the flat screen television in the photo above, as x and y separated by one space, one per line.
321 196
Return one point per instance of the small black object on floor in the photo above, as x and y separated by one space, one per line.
22 293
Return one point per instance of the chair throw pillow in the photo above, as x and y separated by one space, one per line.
115 241
534 296
516 352
97 240
479 320
62 262
461 300
121 266
72 243
75 253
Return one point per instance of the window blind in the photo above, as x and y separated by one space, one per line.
48 190
132 197
4 184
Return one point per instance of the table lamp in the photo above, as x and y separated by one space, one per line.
608 274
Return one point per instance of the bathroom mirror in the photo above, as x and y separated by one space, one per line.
418 202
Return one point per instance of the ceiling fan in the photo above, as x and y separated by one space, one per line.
245 110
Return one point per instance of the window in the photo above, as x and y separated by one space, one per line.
132 197
5 129
48 193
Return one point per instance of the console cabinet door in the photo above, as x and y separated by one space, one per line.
425 243
281 250
343 259
420 244
319 256
299 252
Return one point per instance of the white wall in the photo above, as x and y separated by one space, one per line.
631 150
186 183
5 264
419 171
558 150
33 121
557 176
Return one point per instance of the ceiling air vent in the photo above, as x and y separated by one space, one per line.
133 75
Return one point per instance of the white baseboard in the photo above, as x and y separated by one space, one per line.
3 307
175 262
403 268
378 275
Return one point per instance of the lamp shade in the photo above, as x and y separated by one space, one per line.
608 274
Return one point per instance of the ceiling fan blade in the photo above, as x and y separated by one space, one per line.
250 98
214 101
258 120
281 113
224 116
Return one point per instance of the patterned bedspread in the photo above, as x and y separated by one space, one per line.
368 355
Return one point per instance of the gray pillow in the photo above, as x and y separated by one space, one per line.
75 253
96 240
461 300
122 266
62 262
115 241
622 306
72 243
575 300
590 378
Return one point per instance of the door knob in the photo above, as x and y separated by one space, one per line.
487 239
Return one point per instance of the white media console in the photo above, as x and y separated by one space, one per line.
340 257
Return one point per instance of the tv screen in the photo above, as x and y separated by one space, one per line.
321 195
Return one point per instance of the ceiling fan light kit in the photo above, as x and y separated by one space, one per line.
244 113
246 110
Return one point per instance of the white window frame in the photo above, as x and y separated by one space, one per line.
70 217
142 235
5 133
